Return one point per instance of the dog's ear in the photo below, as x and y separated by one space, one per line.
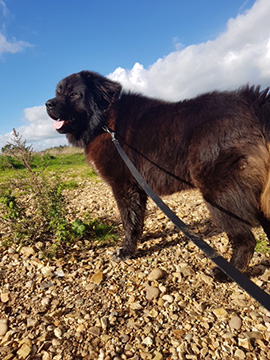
103 90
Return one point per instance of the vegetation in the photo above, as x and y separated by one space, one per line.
33 206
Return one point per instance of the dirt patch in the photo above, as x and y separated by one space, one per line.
162 305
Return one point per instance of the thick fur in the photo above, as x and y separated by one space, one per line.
216 142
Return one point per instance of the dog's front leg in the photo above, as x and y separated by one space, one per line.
131 201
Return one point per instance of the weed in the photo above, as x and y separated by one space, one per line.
263 245
34 207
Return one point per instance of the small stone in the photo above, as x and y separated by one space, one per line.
31 322
207 279
3 327
46 356
162 288
29 284
178 333
60 273
135 306
266 275
58 333
97 278
168 298
220 313
156 274
148 341
94 330
245 343
47 271
79 301
124 338
152 292
27 251
90 287
56 342
235 322
104 322
254 335
239 355
25 349
158 356
4 297
81 328
45 301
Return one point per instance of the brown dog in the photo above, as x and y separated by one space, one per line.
216 142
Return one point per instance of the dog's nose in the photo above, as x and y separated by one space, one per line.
50 104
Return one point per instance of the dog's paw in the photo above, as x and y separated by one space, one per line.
220 276
121 254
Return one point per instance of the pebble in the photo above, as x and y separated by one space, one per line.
94 330
104 322
235 322
124 338
158 356
239 355
156 274
3 327
245 343
25 349
266 275
168 298
152 293
97 278
27 251
220 313
254 335
147 341
45 301
4 297
135 306
31 322
58 333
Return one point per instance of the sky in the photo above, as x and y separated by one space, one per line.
173 49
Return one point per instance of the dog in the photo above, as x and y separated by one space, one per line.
217 142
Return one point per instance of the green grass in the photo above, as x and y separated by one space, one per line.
263 245
68 161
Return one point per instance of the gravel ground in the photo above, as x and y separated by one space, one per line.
162 305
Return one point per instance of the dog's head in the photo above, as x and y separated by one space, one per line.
79 105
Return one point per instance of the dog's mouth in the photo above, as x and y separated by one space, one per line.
59 124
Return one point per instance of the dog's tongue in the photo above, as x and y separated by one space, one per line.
58 124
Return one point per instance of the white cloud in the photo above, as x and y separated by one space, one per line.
9 46
38 130
238 56
4 8
13 46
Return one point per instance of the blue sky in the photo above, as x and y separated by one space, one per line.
157 47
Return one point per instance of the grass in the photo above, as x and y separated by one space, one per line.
263 245
67 161
32 204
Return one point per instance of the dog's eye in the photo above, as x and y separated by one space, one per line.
74 94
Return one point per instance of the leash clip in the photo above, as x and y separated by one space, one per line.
109 131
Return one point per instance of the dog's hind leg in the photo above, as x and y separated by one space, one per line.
239 234
131 201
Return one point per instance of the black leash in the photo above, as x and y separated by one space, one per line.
242 280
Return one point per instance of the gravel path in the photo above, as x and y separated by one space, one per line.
162 305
